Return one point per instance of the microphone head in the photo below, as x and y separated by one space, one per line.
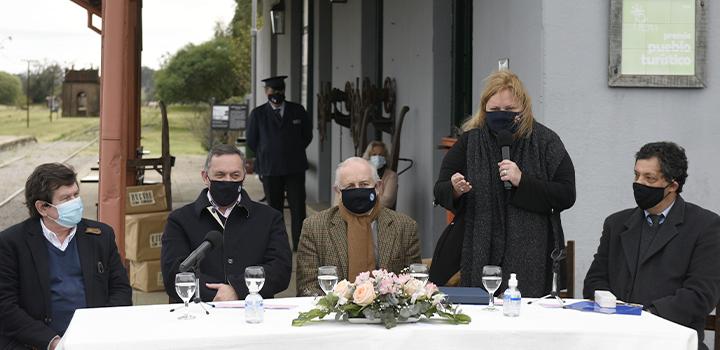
214 238
504 138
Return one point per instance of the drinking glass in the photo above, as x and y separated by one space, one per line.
491 279
254 278
185 288
328 278
419 272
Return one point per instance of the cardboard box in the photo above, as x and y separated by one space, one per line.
149 298
146 276
145 199
143 235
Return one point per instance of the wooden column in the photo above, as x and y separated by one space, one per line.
119 110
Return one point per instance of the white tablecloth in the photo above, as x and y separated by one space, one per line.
154 327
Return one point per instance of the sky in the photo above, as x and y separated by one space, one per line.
55 31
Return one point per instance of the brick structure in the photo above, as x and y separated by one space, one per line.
81 93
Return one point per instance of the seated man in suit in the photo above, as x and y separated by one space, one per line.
356 235
252 234
663 253
54 263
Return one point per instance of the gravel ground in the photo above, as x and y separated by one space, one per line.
16 170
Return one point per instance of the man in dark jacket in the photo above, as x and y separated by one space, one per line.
253 234
279 131
54 263
663 253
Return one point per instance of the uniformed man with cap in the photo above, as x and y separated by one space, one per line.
278 132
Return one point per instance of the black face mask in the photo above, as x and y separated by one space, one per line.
501 120
359 200
276 98
225 193
647 197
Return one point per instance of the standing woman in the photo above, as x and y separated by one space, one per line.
511 228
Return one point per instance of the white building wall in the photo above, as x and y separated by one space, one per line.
603 127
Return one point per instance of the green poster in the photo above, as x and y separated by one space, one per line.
658 37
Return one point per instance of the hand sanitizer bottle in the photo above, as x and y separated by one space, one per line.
512 298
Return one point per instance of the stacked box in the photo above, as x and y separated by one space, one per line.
145 199
146 276
146 210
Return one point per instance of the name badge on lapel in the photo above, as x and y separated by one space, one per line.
296 121
93 231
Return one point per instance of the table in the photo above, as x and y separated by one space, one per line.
154 327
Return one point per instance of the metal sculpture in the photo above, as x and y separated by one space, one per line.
365 104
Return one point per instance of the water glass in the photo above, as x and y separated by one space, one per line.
491 280
419 272
185 288
254 278
328 278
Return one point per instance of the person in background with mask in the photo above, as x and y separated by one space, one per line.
278 132
253 234
377 154
663 253
512 228
54 263
356 235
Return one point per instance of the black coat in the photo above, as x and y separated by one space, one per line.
679 277
279 145
532 194
254 234
25 279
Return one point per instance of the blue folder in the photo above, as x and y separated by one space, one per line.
466 295
591 306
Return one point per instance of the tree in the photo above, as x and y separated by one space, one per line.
147 83
240 32
197 73
45 80
10 89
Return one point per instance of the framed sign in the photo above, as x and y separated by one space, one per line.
220 117
657 43
238 116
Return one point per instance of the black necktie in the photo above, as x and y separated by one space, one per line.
655 218
649 235
277 113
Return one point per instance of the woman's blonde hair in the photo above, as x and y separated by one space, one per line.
495 83
372 145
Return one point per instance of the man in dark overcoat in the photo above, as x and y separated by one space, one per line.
252 234
662 254
278 132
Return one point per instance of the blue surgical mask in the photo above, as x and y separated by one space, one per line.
69 213
377 161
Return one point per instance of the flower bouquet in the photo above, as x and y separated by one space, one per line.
384 296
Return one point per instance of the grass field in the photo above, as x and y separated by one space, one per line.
182 119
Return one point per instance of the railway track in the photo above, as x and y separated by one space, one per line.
15 161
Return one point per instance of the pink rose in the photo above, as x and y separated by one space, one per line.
364 294
362 277
430 289
386 285
342 289
402 279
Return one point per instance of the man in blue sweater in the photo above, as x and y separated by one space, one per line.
54 263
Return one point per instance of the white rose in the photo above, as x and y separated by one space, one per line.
342 289
412 286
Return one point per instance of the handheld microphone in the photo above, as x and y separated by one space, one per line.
505 139
213 239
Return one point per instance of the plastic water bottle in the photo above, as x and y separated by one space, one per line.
512 298
254 310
